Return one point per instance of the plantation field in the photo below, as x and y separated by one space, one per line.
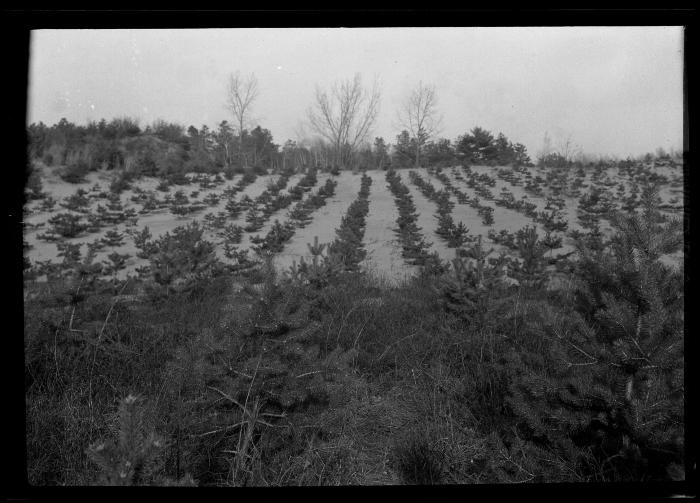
445 364
207 195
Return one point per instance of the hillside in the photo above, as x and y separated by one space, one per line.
393 349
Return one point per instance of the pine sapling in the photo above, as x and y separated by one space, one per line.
113 238
136 457
70 252
116 262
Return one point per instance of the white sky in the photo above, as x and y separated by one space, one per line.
615 90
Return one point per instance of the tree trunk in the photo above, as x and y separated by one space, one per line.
240 144
227 157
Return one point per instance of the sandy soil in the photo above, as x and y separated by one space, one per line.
384 253
383 250
325 220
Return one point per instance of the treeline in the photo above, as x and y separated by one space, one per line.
167 149
478 146
160 149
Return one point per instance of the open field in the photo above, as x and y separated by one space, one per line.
310 328
383 249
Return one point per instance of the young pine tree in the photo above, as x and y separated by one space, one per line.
531 272
182 260
135 458
609 390
636 302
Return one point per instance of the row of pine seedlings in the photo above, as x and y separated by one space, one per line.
480 184
300 215
271 201
348 246
413 245
486 212
455 235
345 253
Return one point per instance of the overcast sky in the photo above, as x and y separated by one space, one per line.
615 90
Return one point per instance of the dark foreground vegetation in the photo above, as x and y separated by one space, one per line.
194 373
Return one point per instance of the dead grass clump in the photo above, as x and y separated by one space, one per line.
418 459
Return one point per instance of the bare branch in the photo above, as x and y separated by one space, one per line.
345 115
419 116
241 94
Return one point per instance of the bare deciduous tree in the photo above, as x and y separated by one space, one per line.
546 149
568 150
321 150
419 116
242 91
345 116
